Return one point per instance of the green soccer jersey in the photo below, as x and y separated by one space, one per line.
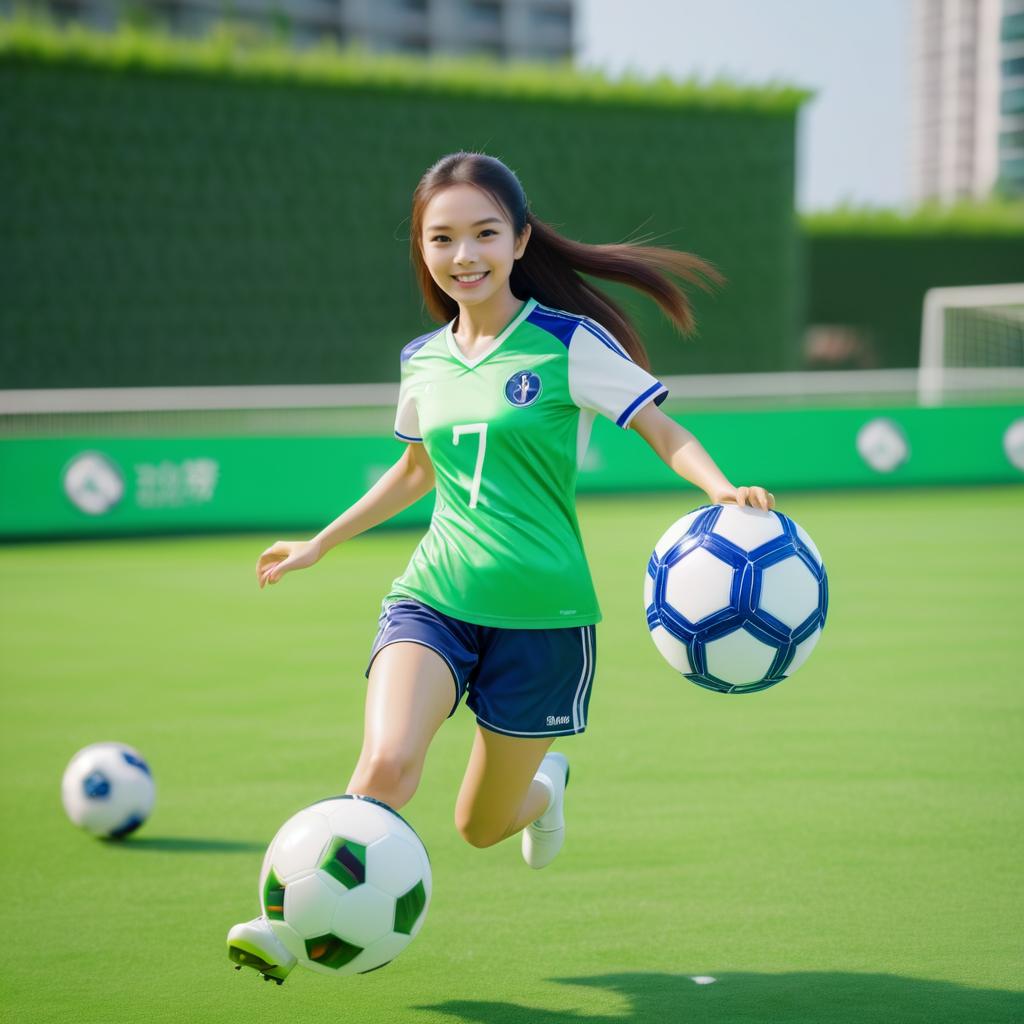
506 432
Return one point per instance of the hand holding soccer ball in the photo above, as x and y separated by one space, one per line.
756 497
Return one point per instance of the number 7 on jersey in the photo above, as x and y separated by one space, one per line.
473 428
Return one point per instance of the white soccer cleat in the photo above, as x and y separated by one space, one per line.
254 944
543 838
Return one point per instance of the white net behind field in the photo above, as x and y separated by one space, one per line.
986 336
971 338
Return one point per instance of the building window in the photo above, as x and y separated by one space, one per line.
412 44
486 49
1012 172
484 12
1013 26
551 19
1013 101
1011 140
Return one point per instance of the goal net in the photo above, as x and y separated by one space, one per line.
972 339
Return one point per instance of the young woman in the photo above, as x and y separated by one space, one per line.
495 410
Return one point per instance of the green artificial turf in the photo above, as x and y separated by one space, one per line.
843 847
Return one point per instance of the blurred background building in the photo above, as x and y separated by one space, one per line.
967 75
207 233
505 29
1011 128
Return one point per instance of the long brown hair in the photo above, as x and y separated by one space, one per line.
549 269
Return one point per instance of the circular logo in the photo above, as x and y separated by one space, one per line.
93 483
522 388
882 444
1013 443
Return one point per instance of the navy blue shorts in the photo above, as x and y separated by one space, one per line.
520 682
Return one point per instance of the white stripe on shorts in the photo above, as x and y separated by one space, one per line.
585 678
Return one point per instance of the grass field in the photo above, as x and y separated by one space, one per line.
845 847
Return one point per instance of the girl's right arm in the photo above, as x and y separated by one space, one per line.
408 480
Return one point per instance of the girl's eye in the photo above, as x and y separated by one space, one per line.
445 238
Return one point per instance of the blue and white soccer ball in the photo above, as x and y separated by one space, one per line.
736 597
345 885
108 789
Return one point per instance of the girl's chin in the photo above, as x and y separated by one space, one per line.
468 294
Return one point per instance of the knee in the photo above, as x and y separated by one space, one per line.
390 777
477 832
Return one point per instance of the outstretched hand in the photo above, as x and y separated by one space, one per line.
284 556
752 497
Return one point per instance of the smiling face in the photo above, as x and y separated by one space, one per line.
466 234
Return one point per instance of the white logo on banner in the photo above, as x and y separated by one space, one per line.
169 484
882 444
93 483
1013 443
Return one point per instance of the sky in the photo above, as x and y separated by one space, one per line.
853 135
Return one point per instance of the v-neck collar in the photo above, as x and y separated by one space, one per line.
457 352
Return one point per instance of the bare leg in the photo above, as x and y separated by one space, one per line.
499 796
409 694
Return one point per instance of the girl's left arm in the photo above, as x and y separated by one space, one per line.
685 455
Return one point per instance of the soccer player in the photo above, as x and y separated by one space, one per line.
495 410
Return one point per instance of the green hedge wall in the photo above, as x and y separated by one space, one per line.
877 282
173 223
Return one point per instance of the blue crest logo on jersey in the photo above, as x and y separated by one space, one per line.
522 388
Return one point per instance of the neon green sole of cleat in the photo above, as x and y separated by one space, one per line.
243 954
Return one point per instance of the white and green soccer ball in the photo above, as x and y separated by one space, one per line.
345 885
108 789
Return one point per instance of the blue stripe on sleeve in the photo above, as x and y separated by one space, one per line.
639 400
602 335
406 437
563 326
554 322
417 343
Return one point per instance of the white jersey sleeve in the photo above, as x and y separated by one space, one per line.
603 378
407 419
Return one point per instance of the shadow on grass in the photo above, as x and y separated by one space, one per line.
186 844
804 998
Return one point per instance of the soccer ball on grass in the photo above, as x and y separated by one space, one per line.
345 885
108 789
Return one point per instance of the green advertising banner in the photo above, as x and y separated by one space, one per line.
82 486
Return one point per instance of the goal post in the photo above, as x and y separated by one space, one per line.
972 337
